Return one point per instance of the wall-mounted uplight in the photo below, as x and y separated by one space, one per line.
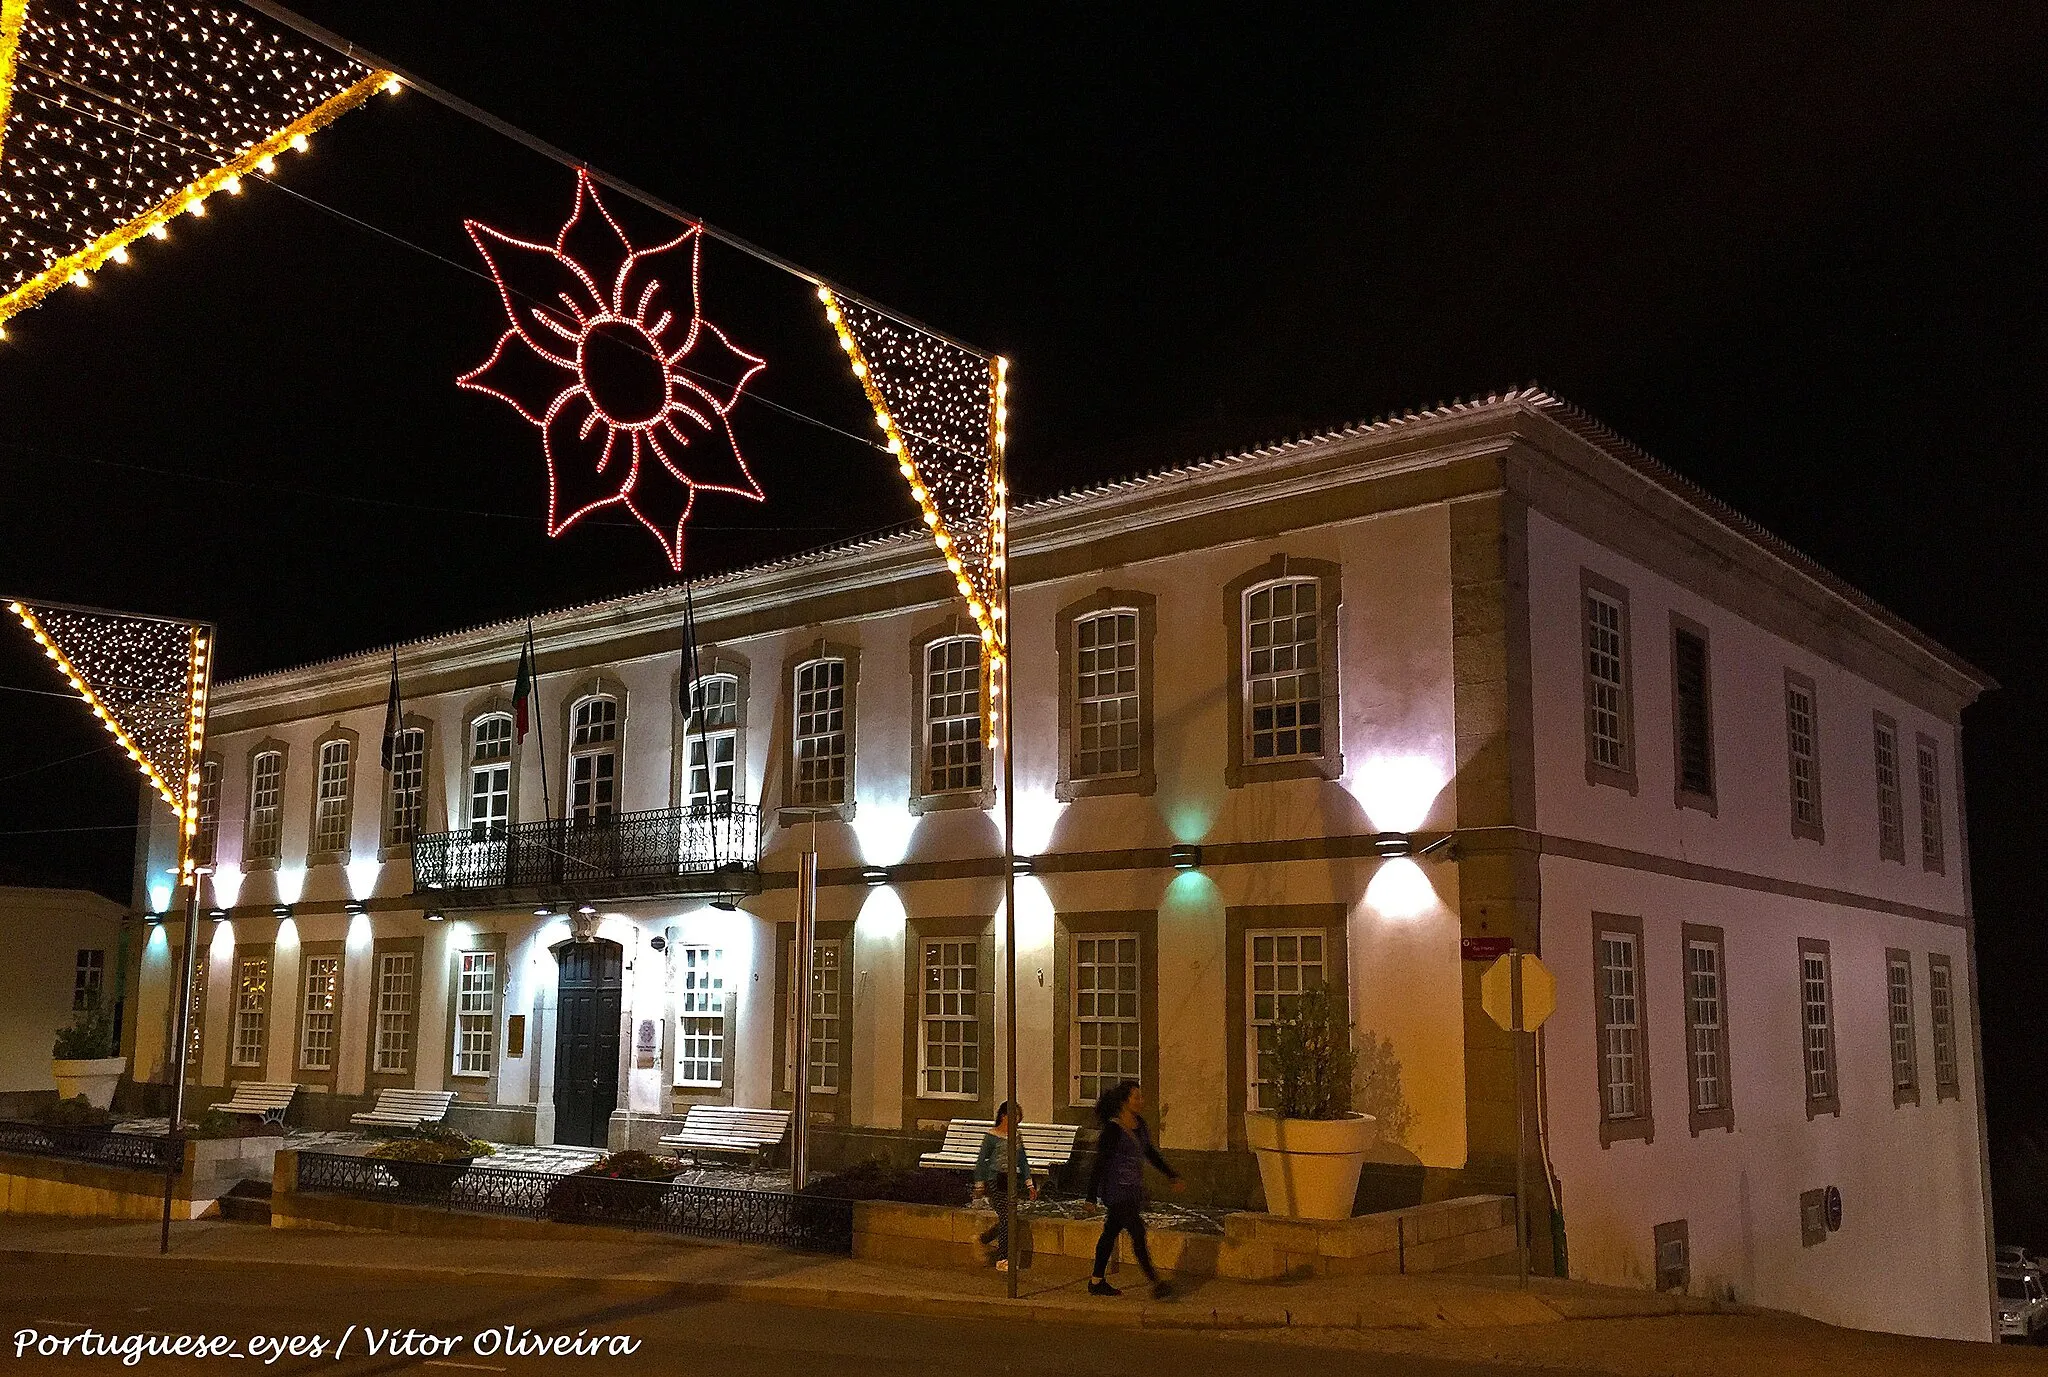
152 919
1020 865
355 906
726 903
436 916
874 874
544 911
276 911
586 910
218 915
1391 844
1185 857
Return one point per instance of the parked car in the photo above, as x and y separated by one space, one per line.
2012 1255
2022 1304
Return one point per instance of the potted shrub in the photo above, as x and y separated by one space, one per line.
619 1185
428 1162
83 1062
1310 1145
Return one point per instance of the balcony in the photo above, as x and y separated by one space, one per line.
661 852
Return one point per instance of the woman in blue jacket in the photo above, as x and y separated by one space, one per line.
993 1182
1119 1183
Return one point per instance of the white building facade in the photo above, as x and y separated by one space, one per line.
1716 788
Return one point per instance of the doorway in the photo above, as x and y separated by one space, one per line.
589 986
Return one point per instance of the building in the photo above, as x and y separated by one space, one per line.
66 947
1717 788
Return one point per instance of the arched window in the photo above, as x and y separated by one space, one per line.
490 775
594 760
266 799
713 735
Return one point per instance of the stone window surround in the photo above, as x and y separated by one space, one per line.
283 751
711 662
469 1087
1596 773
1641 1125
1933 862
1831 1103
492 704
1240 771
1910 1092
1335 922
1951 1088
916 1105
1066 927
387 851
373 1079
793 813
1700 1120
1815 831
354 740
1145 782
266 952
952 627
837 1106
1683 797
1883 725
318 1078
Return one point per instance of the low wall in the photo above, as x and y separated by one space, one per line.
94 1190
1474 1233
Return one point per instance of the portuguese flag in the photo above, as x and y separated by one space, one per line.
522 686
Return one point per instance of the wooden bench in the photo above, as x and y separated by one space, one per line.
1048 1146
267 1100
723 1130
407 1108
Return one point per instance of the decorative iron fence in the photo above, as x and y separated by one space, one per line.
79 1144
804 1222
659 845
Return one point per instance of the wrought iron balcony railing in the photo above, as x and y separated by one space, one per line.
661 851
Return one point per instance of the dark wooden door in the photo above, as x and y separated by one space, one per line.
590 982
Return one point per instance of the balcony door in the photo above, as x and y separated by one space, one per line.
590 981
594 762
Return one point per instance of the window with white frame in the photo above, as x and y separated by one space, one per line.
206 841
317 1012
713 735
196 1001
1891 808
1606 681
397 1012
826 1014
1802 743
1106 1038
1899 1006
594 760
1817 1021
476 1013
1283 682
330 805
1106 694
88 977
820 733
490 775
1280 964
1706 1025
1930 805
700 1048
949 1049
952 715
1941 1010
252 1002
1621 1027
266 800
408 787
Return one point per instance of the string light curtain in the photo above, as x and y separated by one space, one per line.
117 116
145 679
943 409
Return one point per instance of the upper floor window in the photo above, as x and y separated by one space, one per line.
594 760
1929 773
88 977
713 735
1898 967
1106 706
953 716
266 799
820 734
1609 684
407 787
1283 672
331 799
490 775
1802 747
1692 720
1891 808
206 841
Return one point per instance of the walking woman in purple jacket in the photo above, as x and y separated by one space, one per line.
1119 1183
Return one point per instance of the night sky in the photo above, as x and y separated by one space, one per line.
1796 252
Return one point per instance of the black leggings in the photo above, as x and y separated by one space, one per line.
1126 1216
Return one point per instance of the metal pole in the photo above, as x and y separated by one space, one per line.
1515 1038
174 1141
1009 713
800 996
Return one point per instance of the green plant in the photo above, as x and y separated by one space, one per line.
77 1112
452 1147
633 1165
1313 1058
1376 1088
90 1036
877 1180
214 1124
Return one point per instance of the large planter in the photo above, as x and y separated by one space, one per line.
1310 1166
425 1178
95 1079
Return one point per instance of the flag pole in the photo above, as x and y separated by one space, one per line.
188 870
540 730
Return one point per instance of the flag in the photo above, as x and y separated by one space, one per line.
522 686
392 718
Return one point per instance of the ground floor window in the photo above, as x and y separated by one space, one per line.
700 1056
476 1013
827 1015
949 1050
88 976
252 1002
397 1011
1280 963
317 1013
1107 1035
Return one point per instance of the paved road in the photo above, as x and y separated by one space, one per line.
61 1298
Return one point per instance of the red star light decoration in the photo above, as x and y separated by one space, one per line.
632 392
